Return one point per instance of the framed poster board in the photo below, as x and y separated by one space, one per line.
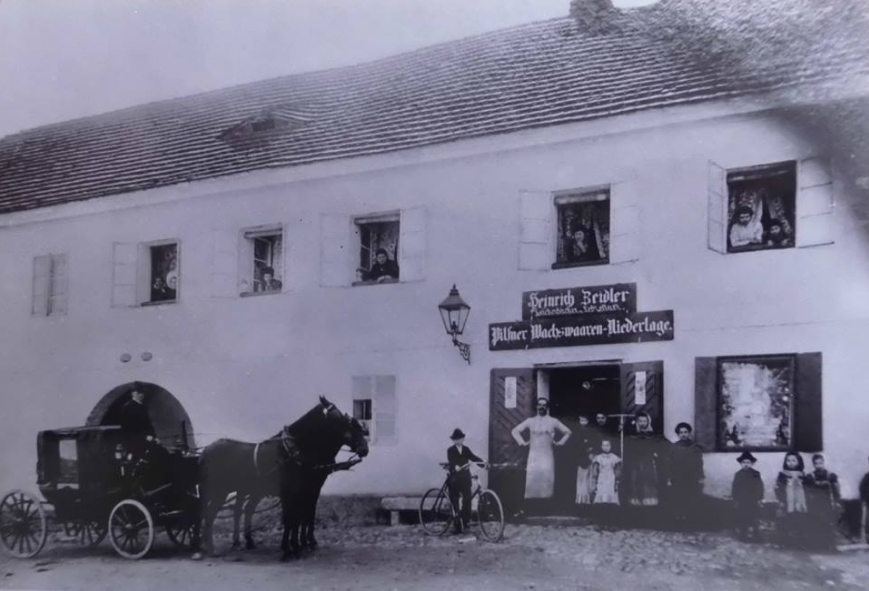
755 403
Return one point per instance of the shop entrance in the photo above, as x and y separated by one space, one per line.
583 389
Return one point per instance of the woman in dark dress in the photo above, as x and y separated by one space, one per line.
643 464
823 496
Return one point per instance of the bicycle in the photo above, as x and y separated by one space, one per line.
437 513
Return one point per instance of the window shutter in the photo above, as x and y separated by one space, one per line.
124 256
412 244
536 233
225 263
385 409
815 220
624 222
244 281
143 275
706 402
808 404
717 208
41 281
335 250
293 268
58 285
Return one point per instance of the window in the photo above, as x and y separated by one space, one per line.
374 405
759 402
761 203
378 238
583 228
261 262
49 285
146 273
164 276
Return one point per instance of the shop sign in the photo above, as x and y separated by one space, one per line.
588 329
577 301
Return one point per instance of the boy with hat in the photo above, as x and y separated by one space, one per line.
459 458
747 494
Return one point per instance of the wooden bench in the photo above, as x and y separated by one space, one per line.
397 504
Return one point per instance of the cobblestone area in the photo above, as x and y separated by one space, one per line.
531 557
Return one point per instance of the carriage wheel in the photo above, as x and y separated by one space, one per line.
435 512
181 533
23 526
131 529
90 533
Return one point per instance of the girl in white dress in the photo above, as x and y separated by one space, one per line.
540 470
606 470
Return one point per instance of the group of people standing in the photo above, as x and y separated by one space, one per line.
808 502
648 468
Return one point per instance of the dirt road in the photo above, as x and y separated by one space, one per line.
401 558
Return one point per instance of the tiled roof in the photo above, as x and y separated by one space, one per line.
540 74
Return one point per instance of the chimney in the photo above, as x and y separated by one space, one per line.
593 17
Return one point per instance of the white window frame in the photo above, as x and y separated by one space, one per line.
247 260
131 274
50 295
378 218
589 194
365 387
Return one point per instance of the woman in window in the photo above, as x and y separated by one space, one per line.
383 268
540 468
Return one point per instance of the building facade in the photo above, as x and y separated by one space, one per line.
237 300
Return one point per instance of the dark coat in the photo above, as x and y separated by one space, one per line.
686 464
135 422
456 460
864 488
387 269
747 487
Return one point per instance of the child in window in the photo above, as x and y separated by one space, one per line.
791 495
775 235
606 470
747 493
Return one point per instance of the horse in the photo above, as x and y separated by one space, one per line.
254 471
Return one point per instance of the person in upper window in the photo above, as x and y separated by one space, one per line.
268 283
159 291
171 285
577 249
382 270
746 229
775 235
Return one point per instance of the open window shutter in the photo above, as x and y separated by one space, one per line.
124 256
385 409
536 233
244 281
646 395
808 404
58 285
335 251
143 275
507 475
41 281
706 402
412 244
815 203
293 231
624 222
716 214
224 263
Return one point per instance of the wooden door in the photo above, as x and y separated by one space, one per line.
649 399
512 398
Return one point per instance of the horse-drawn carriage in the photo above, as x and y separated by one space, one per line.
93 486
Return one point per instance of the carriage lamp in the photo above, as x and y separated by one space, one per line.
454 313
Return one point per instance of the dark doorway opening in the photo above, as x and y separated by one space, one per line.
170 419
574 392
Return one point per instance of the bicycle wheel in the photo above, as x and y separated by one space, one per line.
490 515
435 512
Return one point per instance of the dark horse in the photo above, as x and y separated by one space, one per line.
292 465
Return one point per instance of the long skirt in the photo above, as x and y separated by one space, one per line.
583 485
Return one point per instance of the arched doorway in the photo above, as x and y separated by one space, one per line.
170 420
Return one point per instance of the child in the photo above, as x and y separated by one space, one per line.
822 498
747 493
606 470
791 496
